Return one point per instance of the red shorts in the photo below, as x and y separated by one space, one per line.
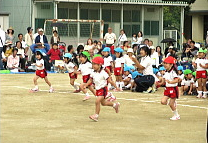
109 67
201 74
171 92
112 49
85 78
117 71
102 92
73 76
41 73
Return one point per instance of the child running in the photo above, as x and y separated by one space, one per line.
71 68
100 78
40 72
85 68
171 89
201 65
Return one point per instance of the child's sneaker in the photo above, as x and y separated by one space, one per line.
204 96
51 90
34 90
148 90
94 117
116 107
175 118
86 98
199 96
110 97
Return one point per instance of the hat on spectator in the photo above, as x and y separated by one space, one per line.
10 28
97 55
87 54
38 50
162 68
130 50
194 73
152 47
170 47
187 71
180 68
201 50
68 55
40 30
28 28
170 60
106 49
135 74
132 67
155 70
118 50
98 60
126 68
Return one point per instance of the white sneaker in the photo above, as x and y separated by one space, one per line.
175 118
199 96
204 96
51 90
34 90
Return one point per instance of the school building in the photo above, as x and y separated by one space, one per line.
130 15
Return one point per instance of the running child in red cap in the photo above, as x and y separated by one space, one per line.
40 72
100 78
171 87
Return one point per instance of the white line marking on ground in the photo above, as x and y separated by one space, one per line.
127 99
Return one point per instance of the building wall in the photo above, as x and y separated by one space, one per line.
4 22
19 17
197 28
199 5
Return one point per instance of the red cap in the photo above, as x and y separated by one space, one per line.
98 60
170 60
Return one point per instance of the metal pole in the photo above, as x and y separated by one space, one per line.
121 16
78 23
182 26
142 29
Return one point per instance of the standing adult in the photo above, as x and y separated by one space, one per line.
110 39
159 52
89 45
122 37
2 42
154 56
193 48
146 81
55 38
29 41
10 35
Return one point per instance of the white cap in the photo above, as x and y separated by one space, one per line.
40 30
152 47
171 47
130 50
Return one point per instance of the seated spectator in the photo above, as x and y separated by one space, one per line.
96 47
13 61
154 56
75 57
89 45
186 52
41 42
172 52
21 54
158 50
128 57
167 48
55 38
125 45
193 48
80 49
54 53
7 51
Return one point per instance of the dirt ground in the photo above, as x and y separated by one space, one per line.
62 116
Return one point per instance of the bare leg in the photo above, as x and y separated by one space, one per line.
164 100
47 81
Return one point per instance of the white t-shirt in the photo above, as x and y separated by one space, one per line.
155 59
181 76
107 61
187 82
200 61
128 61
99 79
88 47
170 76
139 40
146 62
128 76
122 38
119 61
40 62
69 67
24 45
21 52
41 39
110 38
86 68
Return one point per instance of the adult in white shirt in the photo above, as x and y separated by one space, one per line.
154 56
139 37
2 42
122 37
89 45
146 81
35 35
110 37
29 41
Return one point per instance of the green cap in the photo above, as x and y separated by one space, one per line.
97 55
86 54
187 71
202 50
194 73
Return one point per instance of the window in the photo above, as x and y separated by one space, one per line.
62 13
151 27
127 16
94 15
116 16
106 15
135 16
84 14
135 29
84 30
127 29
72 13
